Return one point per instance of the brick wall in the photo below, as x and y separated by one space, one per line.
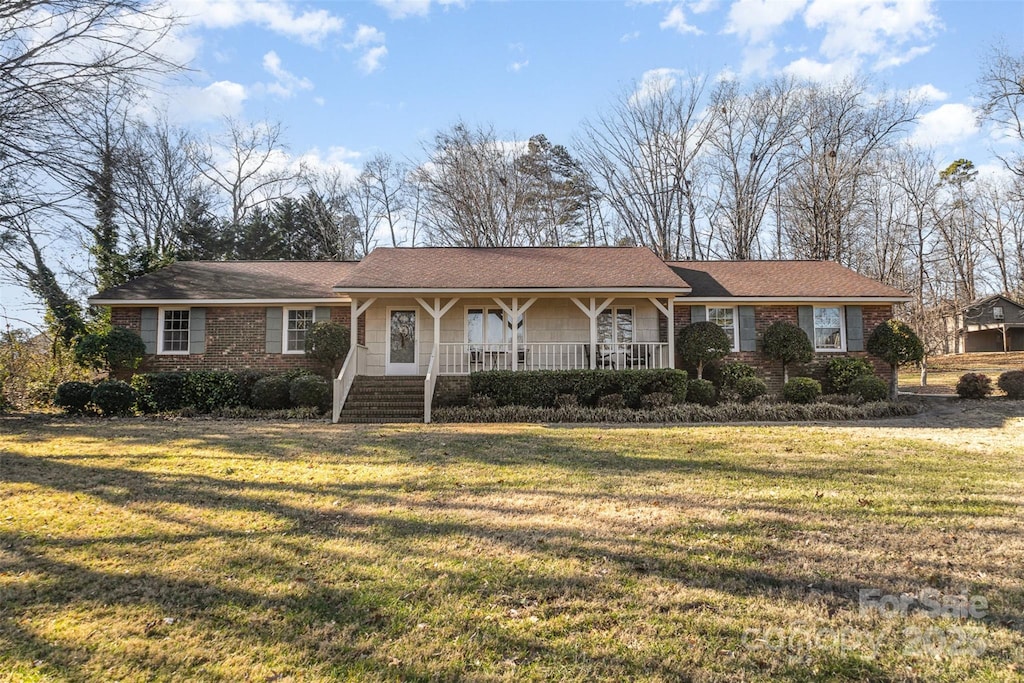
771 371
235 340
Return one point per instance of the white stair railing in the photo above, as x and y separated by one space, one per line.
354 362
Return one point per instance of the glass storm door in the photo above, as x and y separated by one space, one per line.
402 347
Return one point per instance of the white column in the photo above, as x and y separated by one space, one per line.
672 332
515 333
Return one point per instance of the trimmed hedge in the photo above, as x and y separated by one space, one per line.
113 397
686 413
1012 382
73 397
540 388
869 388
159 392
271 393
310 391
802 390
206 390
701 391
750 388
842 371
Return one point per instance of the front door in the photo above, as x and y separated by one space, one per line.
403 351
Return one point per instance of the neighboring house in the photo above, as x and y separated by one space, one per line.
993 323
447 312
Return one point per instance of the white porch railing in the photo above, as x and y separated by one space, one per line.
355 364
464 358
429 382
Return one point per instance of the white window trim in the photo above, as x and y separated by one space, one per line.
615 323
1002 313
842 330
735 323
284 328
486 309
160 331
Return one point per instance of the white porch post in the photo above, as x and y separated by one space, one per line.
436 312
672 332
354 323
592 312
515 333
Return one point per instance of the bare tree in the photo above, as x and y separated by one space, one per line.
641 152
473 194
383 183
841 132
1000 208
752 145
246 164
1001 92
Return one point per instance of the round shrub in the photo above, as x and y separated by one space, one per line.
115 349
310 391
1012 383
731 373
842 371
750 388
701 391
158 392
209 390
974 385
897 344
328 343
113 397
802 390
869 388
271 393
787 343
702 342
73 397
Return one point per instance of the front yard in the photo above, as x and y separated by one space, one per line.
271 551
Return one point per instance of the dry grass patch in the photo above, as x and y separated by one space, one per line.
945 371
143 549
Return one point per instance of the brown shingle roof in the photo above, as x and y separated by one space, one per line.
209 280
512 268
755 279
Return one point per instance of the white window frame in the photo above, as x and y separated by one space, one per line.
735 323
613 309
487 310
842 330
284 328
1001 315
161 328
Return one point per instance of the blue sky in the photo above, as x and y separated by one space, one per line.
348 79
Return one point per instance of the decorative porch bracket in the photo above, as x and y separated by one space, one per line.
513 312
667 311
592 312
436 312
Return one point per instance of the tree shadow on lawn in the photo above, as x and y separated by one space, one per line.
397 523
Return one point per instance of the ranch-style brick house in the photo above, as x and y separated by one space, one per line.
428 317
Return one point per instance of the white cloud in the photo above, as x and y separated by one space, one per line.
656 82
215 101
286 83
702 6
757 58
899 59
632 35
676 19
366 35
856 27
516 67
756 20
927 93
337 158
310 27
946 125
371 60
814 70
400 9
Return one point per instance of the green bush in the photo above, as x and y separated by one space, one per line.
700 343
1012 382
271 393
701 391
246 381
73 397
750 388
206 390
897 344
731 373
787 343
541 387
328 343
801 390
112 350
566 400
974 385
869 388
842 370
310 391
159 392
113 397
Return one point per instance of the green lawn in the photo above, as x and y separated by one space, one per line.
275 551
